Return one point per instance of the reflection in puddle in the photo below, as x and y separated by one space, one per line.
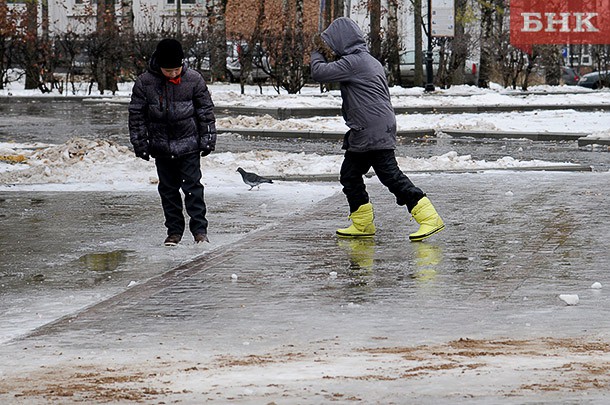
427 258
107 261
361 258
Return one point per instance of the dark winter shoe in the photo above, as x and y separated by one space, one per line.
201 237
172 240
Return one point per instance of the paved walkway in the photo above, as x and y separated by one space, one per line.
289 314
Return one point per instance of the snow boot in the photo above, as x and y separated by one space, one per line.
362 223
428 219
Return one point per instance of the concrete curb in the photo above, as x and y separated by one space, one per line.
586 141
313 134
411 134
534 136
309 112
335 177
283 113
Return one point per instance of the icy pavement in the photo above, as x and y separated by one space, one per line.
289 314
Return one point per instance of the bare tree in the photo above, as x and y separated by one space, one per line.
289 70
418 78
459 48
552 60
252 55
30 40
8 31
103 48
375 28
487 43
217 34
393 42
338 8
530 66
127 18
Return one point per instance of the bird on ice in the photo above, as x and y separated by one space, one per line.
252 179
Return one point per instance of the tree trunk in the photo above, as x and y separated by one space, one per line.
486 63
459 52
127 33
375 26
328 12
338 8
551 60
4 41
109 55
251 58
418 78
286 44
393 43
32 70
217 32
297 60
179 20
127 18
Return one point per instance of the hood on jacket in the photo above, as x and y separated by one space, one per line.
344 37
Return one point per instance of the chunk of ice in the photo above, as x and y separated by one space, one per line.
569 299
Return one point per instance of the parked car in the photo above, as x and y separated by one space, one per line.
569 76
595 80
407 68
260 62
199 59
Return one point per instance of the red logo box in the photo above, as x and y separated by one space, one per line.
559 22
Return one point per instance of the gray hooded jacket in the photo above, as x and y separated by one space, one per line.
366 108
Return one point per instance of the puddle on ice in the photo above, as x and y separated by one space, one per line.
105 261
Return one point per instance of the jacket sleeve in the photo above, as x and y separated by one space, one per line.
327 72
204 110
138 132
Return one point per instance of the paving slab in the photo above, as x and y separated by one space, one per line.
290 314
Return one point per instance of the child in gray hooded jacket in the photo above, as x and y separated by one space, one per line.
341 55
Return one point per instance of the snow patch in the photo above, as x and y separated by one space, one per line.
82 164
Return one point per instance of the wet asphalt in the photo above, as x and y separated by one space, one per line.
279 310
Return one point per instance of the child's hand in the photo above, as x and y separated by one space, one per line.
321 46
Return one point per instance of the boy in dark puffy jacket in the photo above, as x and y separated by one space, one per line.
340 55
171 119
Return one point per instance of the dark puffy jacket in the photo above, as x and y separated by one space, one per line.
170 120
366 108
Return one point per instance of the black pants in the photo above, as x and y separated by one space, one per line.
182 173
357 164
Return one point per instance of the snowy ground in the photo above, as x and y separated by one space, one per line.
46 190
100 165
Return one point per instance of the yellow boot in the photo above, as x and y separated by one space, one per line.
428 219
362 223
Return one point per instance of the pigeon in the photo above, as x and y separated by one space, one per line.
252 179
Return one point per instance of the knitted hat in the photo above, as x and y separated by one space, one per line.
169 54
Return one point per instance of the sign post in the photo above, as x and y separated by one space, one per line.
441 23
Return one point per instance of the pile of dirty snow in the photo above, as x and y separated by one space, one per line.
83 164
